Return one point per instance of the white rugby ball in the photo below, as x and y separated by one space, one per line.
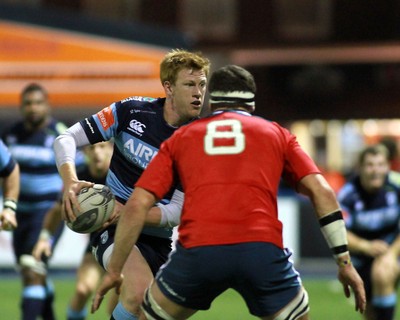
97 205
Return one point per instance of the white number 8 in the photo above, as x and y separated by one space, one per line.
235 133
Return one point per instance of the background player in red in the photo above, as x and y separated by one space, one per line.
230 164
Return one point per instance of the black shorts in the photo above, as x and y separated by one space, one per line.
28 231
155 250
260 272
364 270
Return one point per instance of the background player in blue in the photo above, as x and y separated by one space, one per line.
9 173
139 125
371 205
30 142
89 272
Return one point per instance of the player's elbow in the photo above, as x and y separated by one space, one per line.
315 185
140 201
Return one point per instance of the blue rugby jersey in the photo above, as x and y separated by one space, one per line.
138 127
371 216
33 151
7 163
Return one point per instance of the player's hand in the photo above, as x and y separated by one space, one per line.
70 202
8 220
376 248
42 247
115 215
350 279
109 281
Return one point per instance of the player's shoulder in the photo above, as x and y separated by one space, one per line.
13 129
57 126
348 191
3 148
394 178
141 103
139 108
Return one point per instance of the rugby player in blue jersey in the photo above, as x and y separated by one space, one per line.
138 125
371 207
89 271
9 173
30 142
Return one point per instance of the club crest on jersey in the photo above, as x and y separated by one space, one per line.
136 127
104 237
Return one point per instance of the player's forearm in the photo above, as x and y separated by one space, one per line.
395 246
68 173
324 202
11 185
130 224
65 150
52 219
321 195
357 244
153 218
167 215
334 231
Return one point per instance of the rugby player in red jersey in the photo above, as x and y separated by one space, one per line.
230 165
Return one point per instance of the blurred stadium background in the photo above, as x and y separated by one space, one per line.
326 69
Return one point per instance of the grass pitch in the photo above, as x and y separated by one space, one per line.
327 301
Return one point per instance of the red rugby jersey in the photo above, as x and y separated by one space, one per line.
230 165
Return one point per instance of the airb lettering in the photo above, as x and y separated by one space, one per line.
147 153
140 150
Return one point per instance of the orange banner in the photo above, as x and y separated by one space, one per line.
77 69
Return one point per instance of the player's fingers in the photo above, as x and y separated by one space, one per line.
8 221
361 300
360 304
47 252
98 298
7 226
346 290
84 184
66 206
104 287
14 224
36 253
68 212
118 288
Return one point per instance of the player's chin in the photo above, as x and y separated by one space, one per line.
195 111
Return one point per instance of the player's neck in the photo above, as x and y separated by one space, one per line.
171 116
35 126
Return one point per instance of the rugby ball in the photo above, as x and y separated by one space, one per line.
97 205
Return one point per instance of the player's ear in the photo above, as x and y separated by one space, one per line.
168 88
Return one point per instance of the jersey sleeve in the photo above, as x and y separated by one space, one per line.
103 125
7 162
159 176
